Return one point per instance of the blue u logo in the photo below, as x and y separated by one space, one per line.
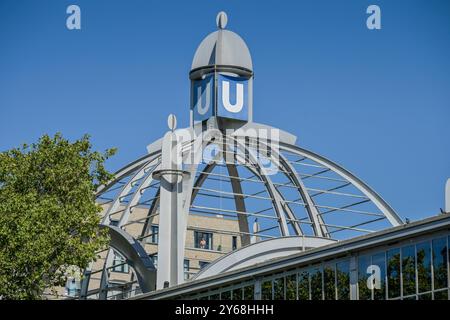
203 94
203 98
239 103
232 97
226 98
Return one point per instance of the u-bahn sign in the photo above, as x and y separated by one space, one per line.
232 97
203 93
231 102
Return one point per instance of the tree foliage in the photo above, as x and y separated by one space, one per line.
49 220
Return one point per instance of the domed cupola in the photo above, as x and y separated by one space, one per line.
222 48
222 77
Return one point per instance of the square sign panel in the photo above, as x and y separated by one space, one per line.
203 93
232 99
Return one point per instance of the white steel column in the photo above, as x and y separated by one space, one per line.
172 221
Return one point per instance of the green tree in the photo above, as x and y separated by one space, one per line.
49 220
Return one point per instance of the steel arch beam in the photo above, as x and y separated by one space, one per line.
201 179
314 216
274 194
287 209
123 172
384 207
136 257
137 195
277 196
318 225
151 212
239 204
124 191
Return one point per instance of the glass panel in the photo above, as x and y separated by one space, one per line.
343 280
408 270
393 273
316 284
237 294
249 292
329 277
186 269
226 295
425 296
410 298
278 289
119 264
379 292
364 291
202 264
266 290
441 295
215 296
440 263
291 287
155 234
423 258
154 260
234 242
303 285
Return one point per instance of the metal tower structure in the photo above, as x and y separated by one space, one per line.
282 197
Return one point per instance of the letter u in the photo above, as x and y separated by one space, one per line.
237 107
202 109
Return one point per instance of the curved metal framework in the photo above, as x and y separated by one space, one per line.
291 192
232 183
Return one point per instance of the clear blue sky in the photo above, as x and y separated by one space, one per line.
377 102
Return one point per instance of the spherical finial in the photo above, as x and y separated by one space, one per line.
221 20
172 122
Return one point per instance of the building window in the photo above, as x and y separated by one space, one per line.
379 260
416 271
237 294
441 295
114 223
440 263
316 284
72 287
329 284
364 292
186 269
343 280
278 289
154 235
249 292
202 264
408 271
291 287
119 264
203 240
423 258
234 242
393 273
426 296
215 296
154 258
226 295
118 291
303 285
266 290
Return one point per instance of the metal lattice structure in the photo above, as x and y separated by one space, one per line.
278 195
